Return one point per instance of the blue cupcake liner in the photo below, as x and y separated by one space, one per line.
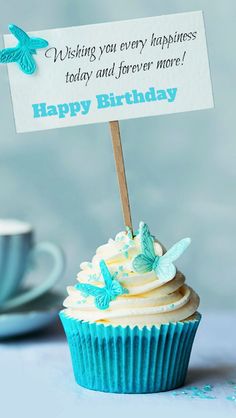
130 360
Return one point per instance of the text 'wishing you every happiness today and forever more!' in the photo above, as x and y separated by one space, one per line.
122 68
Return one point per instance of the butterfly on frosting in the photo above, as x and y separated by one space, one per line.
149 261
103 295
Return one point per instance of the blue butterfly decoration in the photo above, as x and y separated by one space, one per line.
148 260
23 53
103 295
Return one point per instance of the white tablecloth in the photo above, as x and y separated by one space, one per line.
36 379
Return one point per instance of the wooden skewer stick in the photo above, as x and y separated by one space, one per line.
120 170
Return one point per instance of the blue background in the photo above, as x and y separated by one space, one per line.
180 168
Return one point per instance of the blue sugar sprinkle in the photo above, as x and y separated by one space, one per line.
204 396
192 388
175 393
208 388
119 238
194 392
231 398
81 301
129 233
126 246
93 277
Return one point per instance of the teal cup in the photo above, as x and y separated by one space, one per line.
18 251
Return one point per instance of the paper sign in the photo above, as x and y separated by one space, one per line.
113 71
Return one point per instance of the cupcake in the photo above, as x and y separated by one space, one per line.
130 320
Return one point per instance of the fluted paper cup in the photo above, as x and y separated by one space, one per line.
130 360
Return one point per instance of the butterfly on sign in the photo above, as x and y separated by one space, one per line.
103 295
148 260
23 53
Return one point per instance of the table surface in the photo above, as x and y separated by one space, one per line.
37 379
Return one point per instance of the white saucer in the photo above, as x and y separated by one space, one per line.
32 316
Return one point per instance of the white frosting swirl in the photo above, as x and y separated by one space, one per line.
150 301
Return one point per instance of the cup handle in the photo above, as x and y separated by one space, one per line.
58 268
